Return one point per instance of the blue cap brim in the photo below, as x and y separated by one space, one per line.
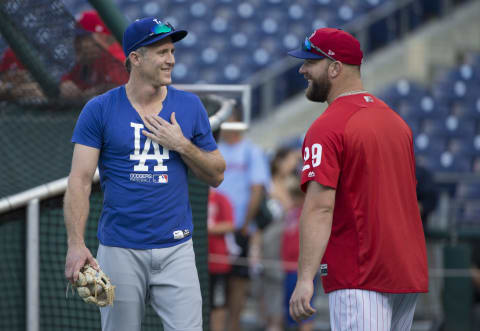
302 54
176 35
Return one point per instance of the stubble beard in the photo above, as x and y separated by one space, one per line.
319 89
160 78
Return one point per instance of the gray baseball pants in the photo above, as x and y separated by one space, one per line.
166 278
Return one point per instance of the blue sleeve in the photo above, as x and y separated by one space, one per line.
88 130
202 132
258 169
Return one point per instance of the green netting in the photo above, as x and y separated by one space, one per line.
199 202
35 146
12 273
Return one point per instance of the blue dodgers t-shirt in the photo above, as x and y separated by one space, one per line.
145 186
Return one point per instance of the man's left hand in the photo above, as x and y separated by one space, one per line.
163 133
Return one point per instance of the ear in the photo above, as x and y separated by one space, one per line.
335 68
134 58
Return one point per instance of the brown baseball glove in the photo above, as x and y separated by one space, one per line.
94 286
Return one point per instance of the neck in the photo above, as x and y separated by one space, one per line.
142 93
344 89
232 138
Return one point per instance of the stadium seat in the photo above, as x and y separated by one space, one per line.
429 108
366 5
455 90
345 13
445 162
451 125
468 190
406 109
131 11
468 214
414 125
432 127
424 143
465 146
403 89
200 10
476 165
472 106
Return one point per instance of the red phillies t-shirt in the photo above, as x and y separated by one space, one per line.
364 150
219 211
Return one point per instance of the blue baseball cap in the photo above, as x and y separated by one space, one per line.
146 31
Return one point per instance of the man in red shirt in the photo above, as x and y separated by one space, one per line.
99 62
220 222
360 223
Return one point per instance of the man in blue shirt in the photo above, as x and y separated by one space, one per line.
143 136
246 179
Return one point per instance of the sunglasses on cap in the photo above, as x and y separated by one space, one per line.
158 29
308 46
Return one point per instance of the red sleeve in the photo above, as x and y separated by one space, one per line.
322 155
112 69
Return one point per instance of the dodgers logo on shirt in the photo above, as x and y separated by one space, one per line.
141 178
144 155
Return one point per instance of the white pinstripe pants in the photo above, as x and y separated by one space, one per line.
361 310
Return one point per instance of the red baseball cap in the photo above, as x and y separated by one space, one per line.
9 61
335 44
90 21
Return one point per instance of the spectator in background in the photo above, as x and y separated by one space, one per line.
16 83
290 250
272 277
99 62
220 222
476 165
245 180
283 165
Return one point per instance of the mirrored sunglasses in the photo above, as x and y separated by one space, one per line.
308 46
